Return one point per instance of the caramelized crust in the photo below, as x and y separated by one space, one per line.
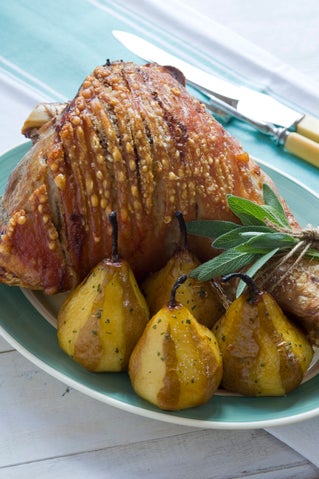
132 140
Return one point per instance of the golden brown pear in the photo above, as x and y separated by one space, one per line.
200 297
101 320
264 354
176 363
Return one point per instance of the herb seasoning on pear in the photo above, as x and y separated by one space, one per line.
176 363
200 297
101 320
264 354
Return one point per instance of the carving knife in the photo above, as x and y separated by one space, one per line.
297 132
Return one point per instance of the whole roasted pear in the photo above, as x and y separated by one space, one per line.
199 297
264 354
176 364
101 320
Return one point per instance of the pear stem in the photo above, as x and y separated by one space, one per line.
172 302
183 229
113 221
255 292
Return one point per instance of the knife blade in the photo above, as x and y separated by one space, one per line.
248 103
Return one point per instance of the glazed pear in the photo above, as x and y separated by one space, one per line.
199 297
101 320
264 354
176 363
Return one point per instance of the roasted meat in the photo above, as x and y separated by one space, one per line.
132 140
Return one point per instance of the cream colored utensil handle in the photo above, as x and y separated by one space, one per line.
303 147
309 126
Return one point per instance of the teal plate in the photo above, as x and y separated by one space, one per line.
27 323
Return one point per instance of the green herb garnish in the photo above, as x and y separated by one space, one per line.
264 232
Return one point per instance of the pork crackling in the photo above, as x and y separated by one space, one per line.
134 141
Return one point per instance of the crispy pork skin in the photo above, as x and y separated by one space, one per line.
135 141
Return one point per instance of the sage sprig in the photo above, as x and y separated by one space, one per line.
263 232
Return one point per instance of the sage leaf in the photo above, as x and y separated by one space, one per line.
264 230
238 236
271 199
210 228
227 262
254 268
265 242
313 253
250 213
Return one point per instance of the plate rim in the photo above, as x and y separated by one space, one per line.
157 415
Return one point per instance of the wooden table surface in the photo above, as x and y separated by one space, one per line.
50 431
